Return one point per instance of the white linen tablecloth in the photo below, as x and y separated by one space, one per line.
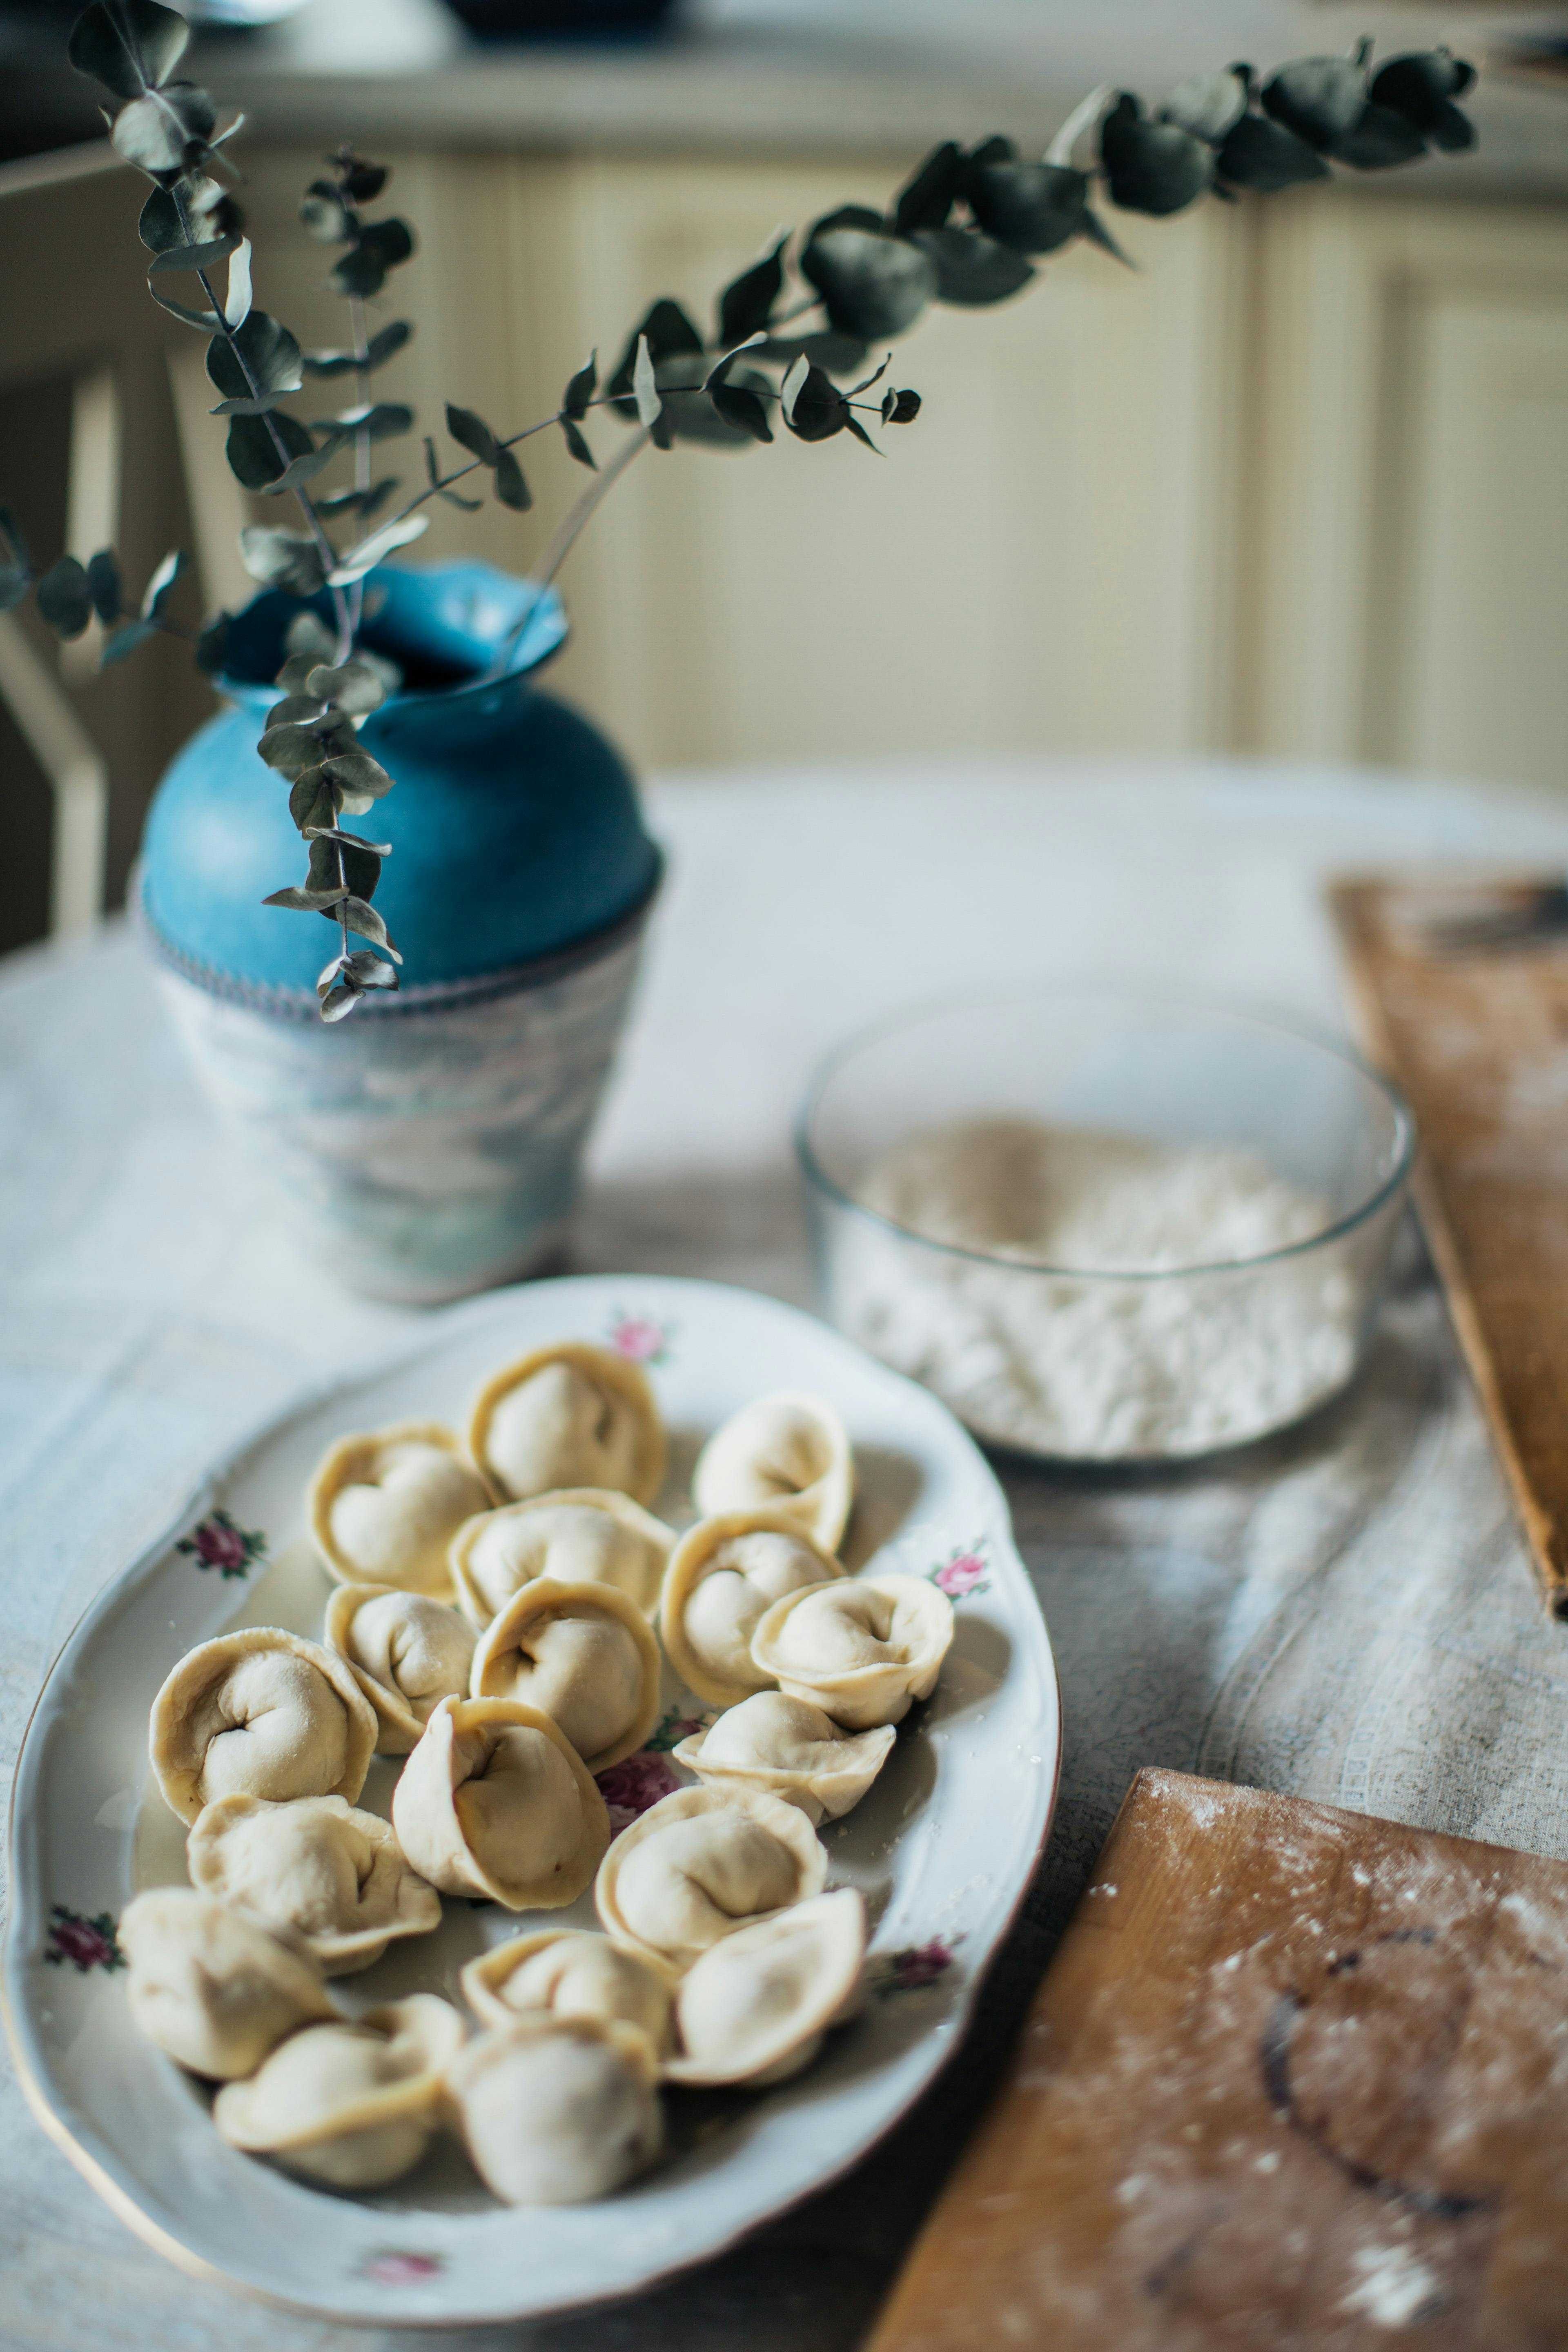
1346 1612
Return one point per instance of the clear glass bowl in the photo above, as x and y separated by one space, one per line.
1120 1361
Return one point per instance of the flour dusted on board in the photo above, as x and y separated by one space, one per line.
1097 1369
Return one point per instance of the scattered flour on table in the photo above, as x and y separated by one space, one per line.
1391 2285
1098 1370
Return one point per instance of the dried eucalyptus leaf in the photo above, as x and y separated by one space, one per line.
308 634
63 598
289 559
360 502
361 271
386 341
259 356
325 216
103 584
13 541
261 449
580 391
741 409
872 284
292 747
1032 207
837 354
206 254
129 49
363 919
237 299
472 434
363 181
342 1001
15 582
312 802
370 970
901 407
306 466
1319 99
1421 83
151 133
370 552
352 861
357 772
123 640
929 194
201 320
306 902
294 706
813 404
511 488
353 840
1151 167
353 686
577 445
381 419
1451 129
161 585
746 304
972 270
645 385
1208 105
1263 154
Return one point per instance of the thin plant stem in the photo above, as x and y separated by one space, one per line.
573 521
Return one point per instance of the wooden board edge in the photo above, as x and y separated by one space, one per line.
1351 900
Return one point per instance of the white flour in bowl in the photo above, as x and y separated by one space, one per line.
1097 1370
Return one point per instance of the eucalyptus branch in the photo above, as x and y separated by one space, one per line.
571 526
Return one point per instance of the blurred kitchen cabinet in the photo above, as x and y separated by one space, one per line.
1410 532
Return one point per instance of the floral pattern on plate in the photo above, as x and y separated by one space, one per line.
218 1543
642 1338
913 1969
84 1943
395 2266
964 1573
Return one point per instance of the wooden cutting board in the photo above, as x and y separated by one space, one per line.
1480 1043
1296 2078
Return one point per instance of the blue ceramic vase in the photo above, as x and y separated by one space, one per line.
429 1144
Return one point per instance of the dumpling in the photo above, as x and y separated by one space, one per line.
788 1748
384 1507
724 1575
703 1864
586 1656
786 1453
754 2009
555 2110
213 1991
260 1713
861 1651
585 1535
495 1803
320 1869
351 2104
569 1415
571 1972
404 1650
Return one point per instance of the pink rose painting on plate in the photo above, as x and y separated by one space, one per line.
640 1339
218 1543
964 1573
81 1942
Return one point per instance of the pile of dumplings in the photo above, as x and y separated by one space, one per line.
493 1624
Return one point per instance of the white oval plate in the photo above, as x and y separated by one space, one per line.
943 1846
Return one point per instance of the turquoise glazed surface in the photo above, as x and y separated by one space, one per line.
514 825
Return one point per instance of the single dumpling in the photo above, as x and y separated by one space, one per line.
861 1649
585 1535
495 1803
406 1651
786 1453
260 1713
585 1655
351 2104
555 2110
571 1972
701 1865
330 1876
723 1576
569 1415
754 2009
384 1507
788 1748
214 1991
